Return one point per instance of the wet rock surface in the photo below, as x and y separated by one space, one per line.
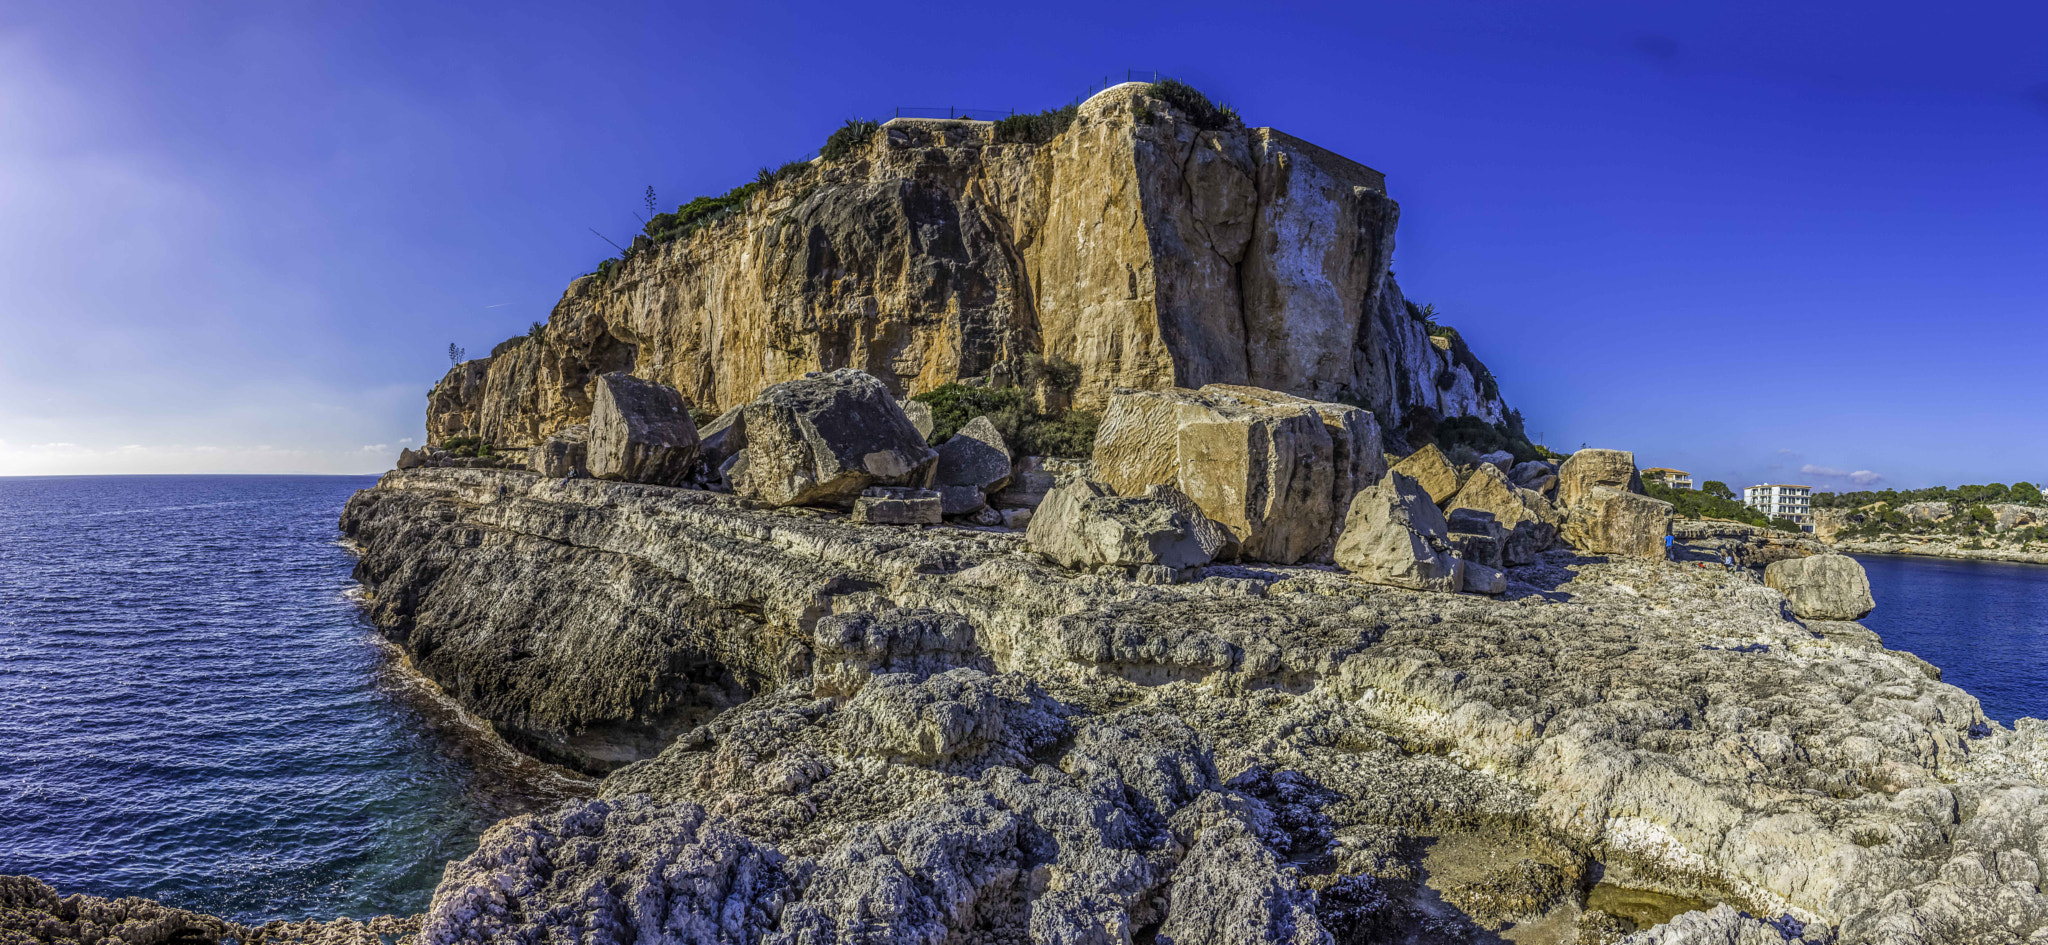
951 739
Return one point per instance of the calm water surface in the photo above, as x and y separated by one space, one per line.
1985 623
192 709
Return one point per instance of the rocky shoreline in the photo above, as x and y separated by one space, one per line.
1939 550
936 736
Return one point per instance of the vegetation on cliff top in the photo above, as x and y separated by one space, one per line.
852 139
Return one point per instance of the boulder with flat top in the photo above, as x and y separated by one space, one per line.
640 431
824 438
1274 470
1084 524
1432 471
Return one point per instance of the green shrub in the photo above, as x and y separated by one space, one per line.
1205 114
1024 429
1691 504
701 212
466 446
1482 437
850 140
766 177
533 332
1037 128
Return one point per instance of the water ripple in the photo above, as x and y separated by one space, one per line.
192 708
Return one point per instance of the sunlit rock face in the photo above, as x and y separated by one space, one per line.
1146 251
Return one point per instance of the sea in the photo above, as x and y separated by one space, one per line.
1985 623
193 708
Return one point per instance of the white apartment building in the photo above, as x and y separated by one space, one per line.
1675 478
1778 500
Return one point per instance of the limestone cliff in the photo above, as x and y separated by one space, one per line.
1146 251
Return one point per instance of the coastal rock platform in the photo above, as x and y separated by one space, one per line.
819 731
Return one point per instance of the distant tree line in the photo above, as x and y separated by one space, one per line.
2019 493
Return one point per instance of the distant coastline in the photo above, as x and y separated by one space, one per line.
1939 550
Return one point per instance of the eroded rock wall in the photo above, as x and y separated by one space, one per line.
1144 250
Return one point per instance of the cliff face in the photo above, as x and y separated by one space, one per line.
1142 249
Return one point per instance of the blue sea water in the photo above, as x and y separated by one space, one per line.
192 709
1985 623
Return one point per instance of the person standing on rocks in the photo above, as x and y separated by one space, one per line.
1670 551
1728 562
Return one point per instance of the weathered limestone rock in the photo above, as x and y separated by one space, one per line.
882 505
920 414
1430 470
972 463
564 452
825 437
640 432
1524 518
1608 521
1477 578
1083 524
1526 475
411 459
1395 535
1477 536
1274 470
721 439
1016 518
1664 730
1591 469
1500 459
1823 587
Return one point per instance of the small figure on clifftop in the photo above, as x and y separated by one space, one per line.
1669 552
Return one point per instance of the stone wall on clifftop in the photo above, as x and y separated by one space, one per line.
1144 250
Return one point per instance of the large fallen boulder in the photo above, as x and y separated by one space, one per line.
563 453
640 431
1432 471
823 439
1275 470
1609 521
1590 469
1524 530
1823 587
973 463
1084 524
1395 535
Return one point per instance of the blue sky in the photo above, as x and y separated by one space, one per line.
1752 242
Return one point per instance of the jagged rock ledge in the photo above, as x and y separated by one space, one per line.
858 733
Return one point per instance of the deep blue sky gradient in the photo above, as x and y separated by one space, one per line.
1750 242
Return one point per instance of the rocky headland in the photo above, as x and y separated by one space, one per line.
1969 531
1266 664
